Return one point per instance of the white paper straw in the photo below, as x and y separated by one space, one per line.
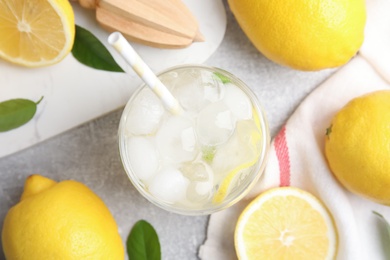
124 48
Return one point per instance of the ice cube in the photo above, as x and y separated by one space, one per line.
188 90
195 89
169 185
199 191
238 102
143 157
196 171
145 114
176 140
213 87
201 179
240 152
203 188
169 79
188 139
215 124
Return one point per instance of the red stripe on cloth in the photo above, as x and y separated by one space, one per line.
283 157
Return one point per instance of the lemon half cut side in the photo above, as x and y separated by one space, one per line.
285 223
36 33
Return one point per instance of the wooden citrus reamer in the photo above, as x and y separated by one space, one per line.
157 23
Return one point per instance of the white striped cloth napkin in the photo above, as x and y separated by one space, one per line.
297 157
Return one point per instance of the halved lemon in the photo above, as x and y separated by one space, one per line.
36 33
285 223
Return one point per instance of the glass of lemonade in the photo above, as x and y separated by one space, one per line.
203 160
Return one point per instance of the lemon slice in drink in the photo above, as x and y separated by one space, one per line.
285 223
256 118
36 33
239 153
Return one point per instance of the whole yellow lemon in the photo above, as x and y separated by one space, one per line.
64 220
303 34
357 146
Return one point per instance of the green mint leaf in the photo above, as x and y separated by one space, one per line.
88 50
143 243
208 153
222 77
384 220
16 112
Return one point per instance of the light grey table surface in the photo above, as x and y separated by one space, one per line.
89 153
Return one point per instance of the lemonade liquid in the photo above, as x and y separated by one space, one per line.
203 159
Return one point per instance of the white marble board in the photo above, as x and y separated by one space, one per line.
74 94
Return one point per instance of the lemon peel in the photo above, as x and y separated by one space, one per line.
63 220
303 34
358 145
35 184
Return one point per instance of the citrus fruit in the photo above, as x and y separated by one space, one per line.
36 33
303 34
285 223
64 220
243 150
357 146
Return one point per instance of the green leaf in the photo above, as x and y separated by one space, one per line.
208 153
385 239
16 112
384 220
88 50
143 243
222 77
